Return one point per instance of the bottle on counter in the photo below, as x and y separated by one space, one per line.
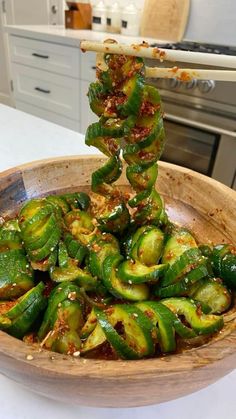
99 17
114 18
130 20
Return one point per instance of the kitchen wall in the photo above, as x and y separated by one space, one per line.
212 21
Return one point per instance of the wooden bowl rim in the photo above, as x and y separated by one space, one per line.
70 367
165 165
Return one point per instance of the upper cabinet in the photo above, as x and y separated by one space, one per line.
34 12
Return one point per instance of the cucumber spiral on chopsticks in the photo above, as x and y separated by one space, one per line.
130 121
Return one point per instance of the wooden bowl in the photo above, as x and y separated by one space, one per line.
202 204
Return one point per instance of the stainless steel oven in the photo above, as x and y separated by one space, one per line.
200 121
190 147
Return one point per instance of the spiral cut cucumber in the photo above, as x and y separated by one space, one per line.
134 330
130 123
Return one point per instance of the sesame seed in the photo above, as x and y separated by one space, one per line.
76 354
135 314
29 358
130 282
72 295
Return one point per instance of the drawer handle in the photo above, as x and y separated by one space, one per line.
93 67
40 55
42 90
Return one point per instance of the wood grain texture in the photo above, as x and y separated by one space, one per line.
198 202
165 20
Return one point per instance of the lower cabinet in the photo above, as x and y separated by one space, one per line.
48 116
51 81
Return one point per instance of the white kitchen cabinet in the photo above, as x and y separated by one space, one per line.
54 50
23 12
48 116
88 66
5 92
52 80
45 56
49 91
88 75
46 80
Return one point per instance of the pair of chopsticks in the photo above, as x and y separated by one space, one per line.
182 74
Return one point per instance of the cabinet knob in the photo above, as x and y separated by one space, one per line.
206 86
174 83
35 54
191 84
54 9
39 89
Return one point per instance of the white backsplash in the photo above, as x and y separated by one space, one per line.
212 21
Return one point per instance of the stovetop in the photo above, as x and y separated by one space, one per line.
197 47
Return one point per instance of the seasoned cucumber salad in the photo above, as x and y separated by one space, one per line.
109 275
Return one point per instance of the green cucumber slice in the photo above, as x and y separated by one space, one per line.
134 272
213 293
187 261
202 324
150 246
136 341
132 292
162 318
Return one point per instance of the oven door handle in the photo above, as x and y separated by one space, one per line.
199 125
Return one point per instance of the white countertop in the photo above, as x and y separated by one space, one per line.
25 138
71 37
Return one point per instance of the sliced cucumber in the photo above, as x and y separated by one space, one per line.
132 292
134 272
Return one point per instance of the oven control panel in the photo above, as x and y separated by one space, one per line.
204 86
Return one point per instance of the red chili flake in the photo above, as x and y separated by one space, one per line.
144 155
136 47
169 255
140 132
199 310
148 108
144 44
48 288
149 313
185 76
174 69
96 248
233 250
158 53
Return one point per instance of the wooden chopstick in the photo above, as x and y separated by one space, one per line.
188 74
182 74
143 50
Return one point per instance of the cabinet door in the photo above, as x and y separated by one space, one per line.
49 91
87 117
35 12
5 94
